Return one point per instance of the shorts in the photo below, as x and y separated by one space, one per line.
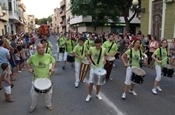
70 58
17 61
7 89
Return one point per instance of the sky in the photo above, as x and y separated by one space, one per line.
41 8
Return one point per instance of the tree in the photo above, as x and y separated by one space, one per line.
104 10
43 20
124 6
49 19
101 10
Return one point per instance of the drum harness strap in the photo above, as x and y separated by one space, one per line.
160 51
99 56
110 47
130 55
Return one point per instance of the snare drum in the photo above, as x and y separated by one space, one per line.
42 85
99 76
138 75
168 71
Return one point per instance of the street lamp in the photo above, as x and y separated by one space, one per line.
135 2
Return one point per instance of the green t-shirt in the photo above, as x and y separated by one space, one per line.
108 44
89 43
135 59
79 50
94 53
61 41
69 45
163 57
49 51
40 65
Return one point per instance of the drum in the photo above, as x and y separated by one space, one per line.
138 75
83 69
99 76
109 58
108 67
42 85
168 71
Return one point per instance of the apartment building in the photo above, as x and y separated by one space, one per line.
158 18
63 15
31 23
3 16
56 19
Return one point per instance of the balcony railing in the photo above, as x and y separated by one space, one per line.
62 3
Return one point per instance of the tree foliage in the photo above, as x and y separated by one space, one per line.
43 20
104 10
101 10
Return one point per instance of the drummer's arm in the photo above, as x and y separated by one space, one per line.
154 58
123 57
76 55
29 67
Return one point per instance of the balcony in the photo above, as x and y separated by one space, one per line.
22 6
79 19
62 3
63 23
62 13
14 15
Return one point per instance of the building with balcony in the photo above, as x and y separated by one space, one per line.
56 19
31 23
22 20
158 18
3 16
63 15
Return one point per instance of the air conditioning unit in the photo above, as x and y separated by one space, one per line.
168 1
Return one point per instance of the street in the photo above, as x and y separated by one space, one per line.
68 100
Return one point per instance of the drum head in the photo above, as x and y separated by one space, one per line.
138 71
100 71
42 83
109 58
169 67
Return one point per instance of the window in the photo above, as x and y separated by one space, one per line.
10 5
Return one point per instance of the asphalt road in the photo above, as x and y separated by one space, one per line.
68 100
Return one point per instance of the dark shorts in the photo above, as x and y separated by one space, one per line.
17 61
70 58
61 50
12 63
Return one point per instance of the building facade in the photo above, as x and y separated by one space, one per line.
56 19
4 16
63 15
158 18
31 23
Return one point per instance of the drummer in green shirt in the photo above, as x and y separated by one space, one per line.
90 41
79 52
61 44
69 43
97 59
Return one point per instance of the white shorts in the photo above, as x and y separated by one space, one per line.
7 89
128 75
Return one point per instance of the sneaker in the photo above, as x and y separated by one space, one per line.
110 78
132 92
113 65
154 91
88 98
76 85
158 88
124 95
63 67
31 110
99 97
49 107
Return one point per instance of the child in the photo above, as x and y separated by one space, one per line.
17 60
6 83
